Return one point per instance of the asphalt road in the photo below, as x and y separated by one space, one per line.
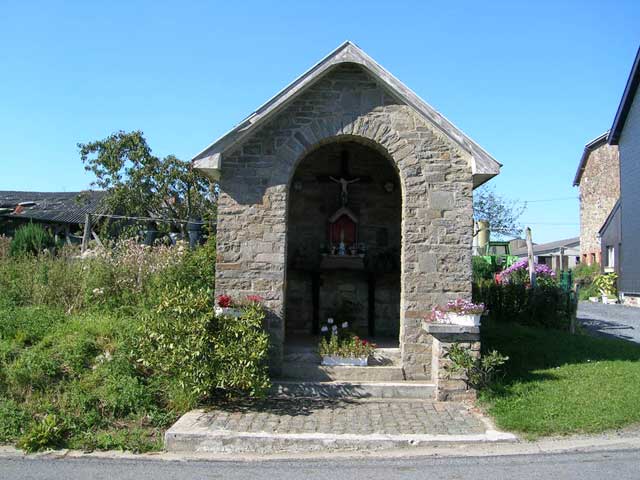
610 320
621 465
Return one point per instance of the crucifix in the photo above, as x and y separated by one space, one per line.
344 179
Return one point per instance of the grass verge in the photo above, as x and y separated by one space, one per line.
557 383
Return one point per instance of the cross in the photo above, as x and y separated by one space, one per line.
344 178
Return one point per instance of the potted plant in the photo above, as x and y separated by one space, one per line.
607 285
225 306
458 312
339 347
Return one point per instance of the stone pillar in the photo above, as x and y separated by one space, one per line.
451 387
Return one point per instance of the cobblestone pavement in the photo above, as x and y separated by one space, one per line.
618 321
362 417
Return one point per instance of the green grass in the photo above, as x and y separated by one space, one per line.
70 381
557 383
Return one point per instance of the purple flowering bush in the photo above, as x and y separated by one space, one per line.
518 273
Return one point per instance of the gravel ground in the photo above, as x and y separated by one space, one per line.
617 321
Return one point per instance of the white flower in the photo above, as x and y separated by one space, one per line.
330 321
324 329
345 324
334 329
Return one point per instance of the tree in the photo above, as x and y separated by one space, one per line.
501 213
139 184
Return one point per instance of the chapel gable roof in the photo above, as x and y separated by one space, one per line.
483 165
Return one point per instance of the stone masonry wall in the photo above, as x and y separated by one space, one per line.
599 191
436 212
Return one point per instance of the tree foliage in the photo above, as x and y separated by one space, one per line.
501 213
142 184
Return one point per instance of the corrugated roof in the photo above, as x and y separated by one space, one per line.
55 207
541 248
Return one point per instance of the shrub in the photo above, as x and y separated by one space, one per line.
518 273
182 338
547 306
606 284
30 239
46 433
13 418
584 275
482 270
5 246
478 372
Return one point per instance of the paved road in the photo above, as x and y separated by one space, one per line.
611 320
621 465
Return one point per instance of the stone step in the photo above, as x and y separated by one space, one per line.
304 425
341 389
386 356
314 372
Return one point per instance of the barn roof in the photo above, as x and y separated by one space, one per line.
484 166
53 207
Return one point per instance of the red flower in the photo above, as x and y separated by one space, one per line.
225 301
254 299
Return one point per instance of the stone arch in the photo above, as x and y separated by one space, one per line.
367 129
364 134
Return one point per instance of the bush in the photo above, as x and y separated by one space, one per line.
482 270
547 306
518 274
106 351
182 338
478 372
30 239
584 275
46 433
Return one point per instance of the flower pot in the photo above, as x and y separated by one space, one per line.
333 361
468 320
227 312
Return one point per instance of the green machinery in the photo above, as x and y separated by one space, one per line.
498 254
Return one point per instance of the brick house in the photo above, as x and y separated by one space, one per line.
598 179
347 194
625 223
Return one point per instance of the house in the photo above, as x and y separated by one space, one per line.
598 179
625 134
63 213
611 241
347 195
559 255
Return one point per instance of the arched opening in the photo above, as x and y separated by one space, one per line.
344 243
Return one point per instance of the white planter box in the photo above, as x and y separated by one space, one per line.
471 320
594 299
227 311
332 361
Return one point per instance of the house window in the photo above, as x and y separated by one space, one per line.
593 259
611 257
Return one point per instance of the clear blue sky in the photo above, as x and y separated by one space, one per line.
531 82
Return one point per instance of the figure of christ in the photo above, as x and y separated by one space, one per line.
344 194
